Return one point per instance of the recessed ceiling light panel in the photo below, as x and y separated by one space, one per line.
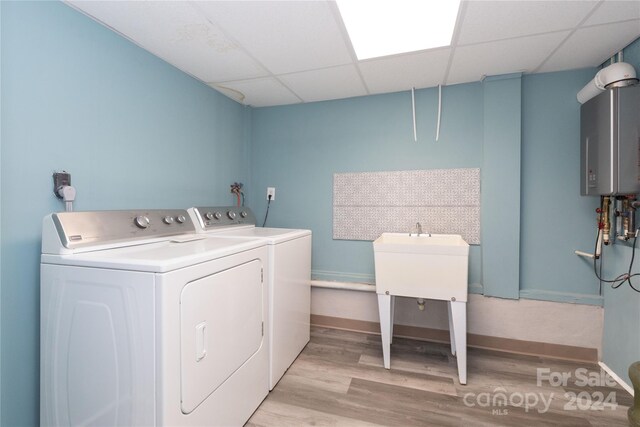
388 27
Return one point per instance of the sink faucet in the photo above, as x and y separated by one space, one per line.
418 229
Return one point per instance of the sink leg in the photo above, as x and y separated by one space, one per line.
459 318
452 335
384 308
393 311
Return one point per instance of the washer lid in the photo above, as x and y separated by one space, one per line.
159 257
271 235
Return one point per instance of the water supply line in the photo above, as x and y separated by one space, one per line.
602 219
605 223
630 216
626 224
625 219
236 188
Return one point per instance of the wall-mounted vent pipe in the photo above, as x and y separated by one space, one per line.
615 75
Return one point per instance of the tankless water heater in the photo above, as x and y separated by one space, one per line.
610 143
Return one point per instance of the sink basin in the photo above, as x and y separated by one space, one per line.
433 267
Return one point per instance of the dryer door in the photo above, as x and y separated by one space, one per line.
221 325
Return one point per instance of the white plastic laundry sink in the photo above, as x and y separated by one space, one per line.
423 266
433 267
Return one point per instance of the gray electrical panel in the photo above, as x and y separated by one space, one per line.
610 143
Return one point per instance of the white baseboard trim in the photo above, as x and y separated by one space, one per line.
543 295
509 345
619 380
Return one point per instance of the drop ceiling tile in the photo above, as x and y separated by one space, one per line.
324 84
591 46
285 36
502 57
496 20
177 33
260 92
613 11
402 72
236 41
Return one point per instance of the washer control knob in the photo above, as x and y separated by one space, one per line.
141 221
208 216
181 219
231 214
217 215
167 219
243 214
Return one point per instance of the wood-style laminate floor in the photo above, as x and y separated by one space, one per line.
339 380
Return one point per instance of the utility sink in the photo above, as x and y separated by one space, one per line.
433 267
429 267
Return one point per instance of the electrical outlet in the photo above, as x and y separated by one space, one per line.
60 179
271 191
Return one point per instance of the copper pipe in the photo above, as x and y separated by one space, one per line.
606 224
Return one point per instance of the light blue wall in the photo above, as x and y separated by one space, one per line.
135 132
132 130
621 341
1 133
501 186
555 219
298 148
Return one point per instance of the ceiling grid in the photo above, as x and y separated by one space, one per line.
265 53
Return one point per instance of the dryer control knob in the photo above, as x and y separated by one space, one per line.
217 215
208 216
181 219
243 214
141 221
167 219
231 214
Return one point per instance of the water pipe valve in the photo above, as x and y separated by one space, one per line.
236 188
606 224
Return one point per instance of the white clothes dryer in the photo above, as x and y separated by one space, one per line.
289 279
144 322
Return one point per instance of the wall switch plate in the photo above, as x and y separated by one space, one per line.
60 179
271 191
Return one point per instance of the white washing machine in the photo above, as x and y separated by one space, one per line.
289 279
144 322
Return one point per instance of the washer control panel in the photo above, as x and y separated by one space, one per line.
224 216
81 229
